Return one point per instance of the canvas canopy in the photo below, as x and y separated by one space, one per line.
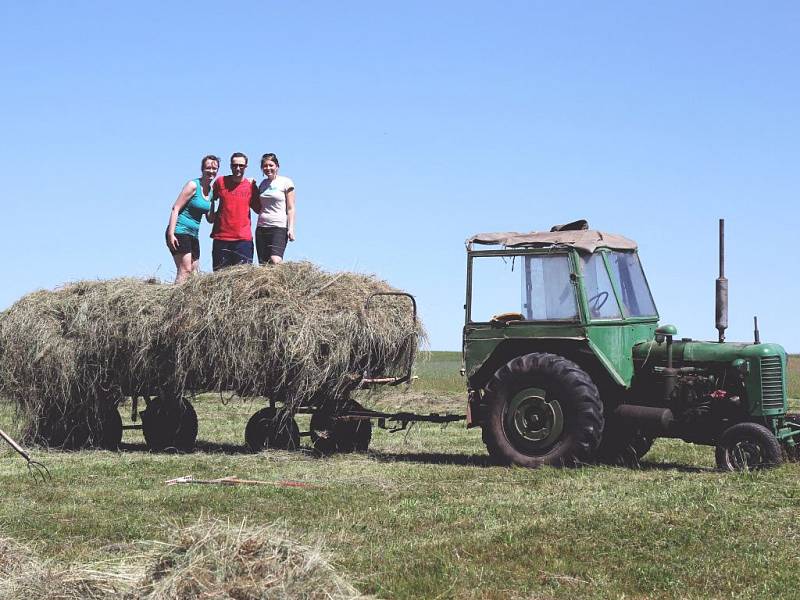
587 240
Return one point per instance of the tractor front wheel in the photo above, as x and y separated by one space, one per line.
543 409
746 447
792 452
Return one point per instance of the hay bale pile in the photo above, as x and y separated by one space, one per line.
292 332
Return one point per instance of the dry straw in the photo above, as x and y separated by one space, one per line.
212 559
292 333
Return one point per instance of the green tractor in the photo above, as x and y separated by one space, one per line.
583 372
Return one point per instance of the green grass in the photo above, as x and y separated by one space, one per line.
425 515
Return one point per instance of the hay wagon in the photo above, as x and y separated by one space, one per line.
338 422
298 336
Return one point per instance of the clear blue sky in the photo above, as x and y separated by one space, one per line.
409 126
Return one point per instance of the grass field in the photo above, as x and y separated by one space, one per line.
424 514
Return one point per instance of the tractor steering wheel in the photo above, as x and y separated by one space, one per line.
596 302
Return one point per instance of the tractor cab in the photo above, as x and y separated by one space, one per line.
582 289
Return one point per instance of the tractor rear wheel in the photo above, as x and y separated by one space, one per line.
269 429
748 446
543 409
170 424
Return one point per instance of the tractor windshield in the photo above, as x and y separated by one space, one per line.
628 278
542 281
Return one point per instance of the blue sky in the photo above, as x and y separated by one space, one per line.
408 127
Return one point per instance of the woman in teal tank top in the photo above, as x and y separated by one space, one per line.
184 221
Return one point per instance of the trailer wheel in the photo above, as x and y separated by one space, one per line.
748 446
169 425
107 433
268 429
542 410
339 435
353 436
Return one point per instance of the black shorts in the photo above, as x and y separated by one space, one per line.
271 241
187 244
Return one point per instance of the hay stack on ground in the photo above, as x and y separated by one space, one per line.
292 332
211 559
216 560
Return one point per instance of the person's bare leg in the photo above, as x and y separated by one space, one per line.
274 260
195 265
183 266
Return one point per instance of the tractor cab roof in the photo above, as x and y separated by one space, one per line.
572 235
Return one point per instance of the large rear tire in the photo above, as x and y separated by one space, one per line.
748 447
543 409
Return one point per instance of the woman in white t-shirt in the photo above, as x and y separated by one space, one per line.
275 207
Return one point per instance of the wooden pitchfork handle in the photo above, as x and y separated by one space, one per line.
35 468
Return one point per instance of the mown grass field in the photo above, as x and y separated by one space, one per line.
424 514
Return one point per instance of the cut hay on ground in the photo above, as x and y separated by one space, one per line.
212 559
217 560
291 332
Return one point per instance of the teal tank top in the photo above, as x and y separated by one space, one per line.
189 218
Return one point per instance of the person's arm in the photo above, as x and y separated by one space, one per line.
255 198
183 199
211 215
290 213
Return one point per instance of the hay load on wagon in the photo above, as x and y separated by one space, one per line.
292 333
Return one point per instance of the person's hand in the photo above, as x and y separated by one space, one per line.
291 235
172 241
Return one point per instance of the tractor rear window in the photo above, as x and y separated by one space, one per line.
542 282
627 271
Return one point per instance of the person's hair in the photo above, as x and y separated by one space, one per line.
238 155
272 157
208 157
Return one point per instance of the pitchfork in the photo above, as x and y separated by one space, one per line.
35 468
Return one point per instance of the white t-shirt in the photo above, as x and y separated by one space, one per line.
272 197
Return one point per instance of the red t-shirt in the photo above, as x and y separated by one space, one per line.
233 214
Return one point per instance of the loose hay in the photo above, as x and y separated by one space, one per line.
290 332
216 560
24 576
211 559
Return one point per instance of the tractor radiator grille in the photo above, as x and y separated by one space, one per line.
772 382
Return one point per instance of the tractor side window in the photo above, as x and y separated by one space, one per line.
599 293
547 290
636 298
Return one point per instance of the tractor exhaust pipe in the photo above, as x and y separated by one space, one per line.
722 287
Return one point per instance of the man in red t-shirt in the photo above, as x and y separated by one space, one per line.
232 233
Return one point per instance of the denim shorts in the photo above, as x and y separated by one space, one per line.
226 254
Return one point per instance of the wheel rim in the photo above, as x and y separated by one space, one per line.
534 422
745 455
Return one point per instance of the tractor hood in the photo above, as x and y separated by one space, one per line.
690 351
